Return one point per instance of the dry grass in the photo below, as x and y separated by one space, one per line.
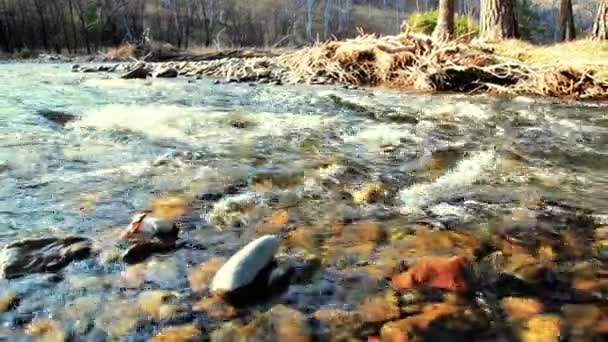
580 54
123 51
415 61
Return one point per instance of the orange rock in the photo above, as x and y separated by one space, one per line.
184 333
200 276
437 272
518 308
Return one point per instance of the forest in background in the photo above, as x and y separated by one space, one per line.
89 26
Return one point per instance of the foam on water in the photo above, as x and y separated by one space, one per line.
466 173
464 110
378 135
194 126
159 121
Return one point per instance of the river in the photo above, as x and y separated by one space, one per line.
440 162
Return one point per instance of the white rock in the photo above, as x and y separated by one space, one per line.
244 266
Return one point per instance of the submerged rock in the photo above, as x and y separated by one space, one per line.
41 255
435 272
57 117
166 73
46 330
243 267
8 299
139 71
183 333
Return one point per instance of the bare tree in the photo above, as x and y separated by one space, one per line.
444 29
600 26
497 20
566 21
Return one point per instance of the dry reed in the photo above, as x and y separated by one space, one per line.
415 61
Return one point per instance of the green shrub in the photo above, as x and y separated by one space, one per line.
425 22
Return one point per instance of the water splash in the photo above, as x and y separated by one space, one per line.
466 173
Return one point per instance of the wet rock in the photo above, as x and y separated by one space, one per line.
275 223
82 308
380 308
46 331
368 193
586 317
541 328
363 231
166 272
141 250
243 267
446 273
200 276
166 73
183 333
133 276
138 71
280 323
436 322
84 282
153 302
215 307
57 117
303 237
340 325
8 299
41 255
445 242
518 308
144 227
118 317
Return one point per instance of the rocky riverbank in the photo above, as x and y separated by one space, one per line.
262 70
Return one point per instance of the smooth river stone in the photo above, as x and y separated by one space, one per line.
242 268
41 255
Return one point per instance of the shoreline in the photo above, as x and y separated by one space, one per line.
412 62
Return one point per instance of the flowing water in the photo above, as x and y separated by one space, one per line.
442 162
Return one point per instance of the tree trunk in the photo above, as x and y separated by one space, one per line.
445 22
73 25
600 27
566 21
497 20
43 29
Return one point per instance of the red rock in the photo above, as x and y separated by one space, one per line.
447 273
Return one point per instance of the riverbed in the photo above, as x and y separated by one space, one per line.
359 183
